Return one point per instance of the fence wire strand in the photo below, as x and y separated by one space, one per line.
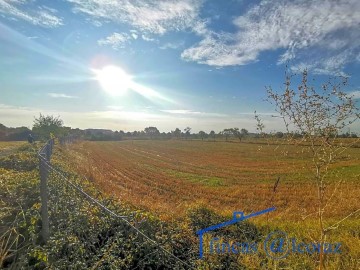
49 168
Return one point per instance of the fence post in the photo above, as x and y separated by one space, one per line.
44 173
52 142
44 199
48 151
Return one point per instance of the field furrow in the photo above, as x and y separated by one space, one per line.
168 177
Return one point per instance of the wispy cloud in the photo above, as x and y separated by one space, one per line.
148 16
193 113
181 111
355 94
147 38
60 95
116 40
302 28
18 9
172 45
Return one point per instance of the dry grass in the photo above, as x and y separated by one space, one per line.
10 145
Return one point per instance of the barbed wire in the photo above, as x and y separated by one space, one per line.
49 168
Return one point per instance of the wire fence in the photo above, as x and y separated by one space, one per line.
89 224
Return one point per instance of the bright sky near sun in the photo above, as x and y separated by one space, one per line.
173 63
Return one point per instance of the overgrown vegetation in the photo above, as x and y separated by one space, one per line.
314 118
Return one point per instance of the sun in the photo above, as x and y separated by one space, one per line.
113 80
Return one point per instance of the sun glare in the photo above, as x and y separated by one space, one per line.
113 80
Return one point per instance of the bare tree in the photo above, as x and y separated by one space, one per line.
319 115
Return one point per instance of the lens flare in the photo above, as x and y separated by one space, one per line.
113 80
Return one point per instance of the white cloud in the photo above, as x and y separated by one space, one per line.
52 10
116 40
146 38
97 23
42 16
60 95
355 94
148 16
134 34
331 65
302 28
172 45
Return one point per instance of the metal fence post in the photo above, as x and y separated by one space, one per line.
44 199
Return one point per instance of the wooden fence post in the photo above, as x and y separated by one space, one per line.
44 193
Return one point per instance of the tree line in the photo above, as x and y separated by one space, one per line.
46 126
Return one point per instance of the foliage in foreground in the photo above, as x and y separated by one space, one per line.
82 236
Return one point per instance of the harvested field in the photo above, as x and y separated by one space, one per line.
168 177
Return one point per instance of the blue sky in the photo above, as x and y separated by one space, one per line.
131 64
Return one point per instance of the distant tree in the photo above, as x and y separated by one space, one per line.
243 132
18 134
135 134
202 134
142 134
117 136
152 132
13 134
236 133
2 135
187 132
212 134
227 132
168 135
44 126
177 133
279 134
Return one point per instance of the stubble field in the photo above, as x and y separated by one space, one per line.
168 177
